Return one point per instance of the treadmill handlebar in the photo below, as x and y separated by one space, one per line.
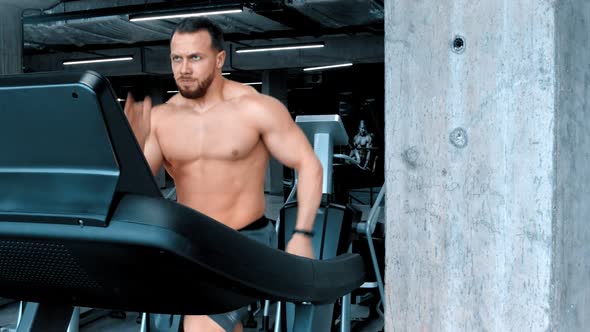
159 256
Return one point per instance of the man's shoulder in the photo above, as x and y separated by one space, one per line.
160 109
163 111
233 90
248 99
260 107
257 100
174 101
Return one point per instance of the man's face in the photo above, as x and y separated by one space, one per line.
194 62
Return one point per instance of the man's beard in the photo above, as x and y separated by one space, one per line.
199 92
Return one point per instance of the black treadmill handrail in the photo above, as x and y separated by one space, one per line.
150 243
282 276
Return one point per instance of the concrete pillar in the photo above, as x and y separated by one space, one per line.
487 165
11 40
274 83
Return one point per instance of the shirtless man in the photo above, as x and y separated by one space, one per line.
214 138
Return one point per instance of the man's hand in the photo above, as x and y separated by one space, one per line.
300 245
139 114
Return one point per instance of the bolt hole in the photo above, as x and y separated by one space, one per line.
75 95
458 44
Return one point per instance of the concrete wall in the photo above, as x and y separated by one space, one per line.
487 157
571 240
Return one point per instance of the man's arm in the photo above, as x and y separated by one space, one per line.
153 153
287 143
141 118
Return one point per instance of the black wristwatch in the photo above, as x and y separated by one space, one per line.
304 232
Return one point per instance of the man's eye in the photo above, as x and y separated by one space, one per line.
196 57
176 58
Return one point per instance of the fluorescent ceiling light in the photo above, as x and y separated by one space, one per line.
120 99
283 47
169 15
253 83
98 60
328 67
225 74
172 91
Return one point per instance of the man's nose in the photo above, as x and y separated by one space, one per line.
185 68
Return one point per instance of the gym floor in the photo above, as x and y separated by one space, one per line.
8 316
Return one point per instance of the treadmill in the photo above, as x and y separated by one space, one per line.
83 224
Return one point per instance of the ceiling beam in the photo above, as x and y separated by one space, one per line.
240 38
155 60
126 10
286 16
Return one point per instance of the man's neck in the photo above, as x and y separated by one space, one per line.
213 96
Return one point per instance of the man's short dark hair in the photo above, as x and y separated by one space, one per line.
194 24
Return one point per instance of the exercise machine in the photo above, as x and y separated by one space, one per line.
332 226
83 224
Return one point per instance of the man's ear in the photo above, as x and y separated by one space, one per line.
220 59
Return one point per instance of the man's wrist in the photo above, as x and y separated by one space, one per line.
303 232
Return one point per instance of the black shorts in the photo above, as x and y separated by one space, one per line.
263 231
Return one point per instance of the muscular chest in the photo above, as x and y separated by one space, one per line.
186 136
